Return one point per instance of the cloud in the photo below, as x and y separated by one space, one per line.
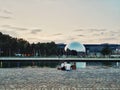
115 32
5 17
35 31
57 34
7 11
14 28
32 38
9 32
91 31
112 33
102 33
5 14
78 30
71 38
96 34
95 29
81 35
108 38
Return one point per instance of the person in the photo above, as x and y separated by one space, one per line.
67 66
62 66
73 66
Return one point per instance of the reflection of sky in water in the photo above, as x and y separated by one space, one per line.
75 46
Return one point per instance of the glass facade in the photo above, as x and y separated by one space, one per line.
75 46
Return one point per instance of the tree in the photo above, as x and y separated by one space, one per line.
106 50
11 46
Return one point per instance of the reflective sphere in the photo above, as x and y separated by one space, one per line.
76 46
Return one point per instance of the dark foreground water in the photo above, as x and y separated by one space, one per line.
52 64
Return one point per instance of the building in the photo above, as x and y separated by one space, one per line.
94 50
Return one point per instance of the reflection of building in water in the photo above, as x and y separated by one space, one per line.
75 49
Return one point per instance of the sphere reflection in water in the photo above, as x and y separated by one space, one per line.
75 48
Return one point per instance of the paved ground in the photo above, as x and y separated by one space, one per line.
53 79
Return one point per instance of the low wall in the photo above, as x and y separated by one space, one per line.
54 62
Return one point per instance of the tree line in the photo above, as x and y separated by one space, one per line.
10 46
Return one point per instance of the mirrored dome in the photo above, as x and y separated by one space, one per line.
75 46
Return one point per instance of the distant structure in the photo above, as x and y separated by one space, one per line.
75 49
94 50
91 50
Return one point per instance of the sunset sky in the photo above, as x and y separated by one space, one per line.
62 21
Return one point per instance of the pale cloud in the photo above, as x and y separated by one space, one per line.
5 14
102 33
33 39
9 32
35 31
96 30
77 30
91 31
109 40
115 31
61 20
5 11
96 34
71 38
5 17
57 34
81 35
14 27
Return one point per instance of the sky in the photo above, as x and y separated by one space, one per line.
62 21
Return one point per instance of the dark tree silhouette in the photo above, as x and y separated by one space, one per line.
106 50
10 46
